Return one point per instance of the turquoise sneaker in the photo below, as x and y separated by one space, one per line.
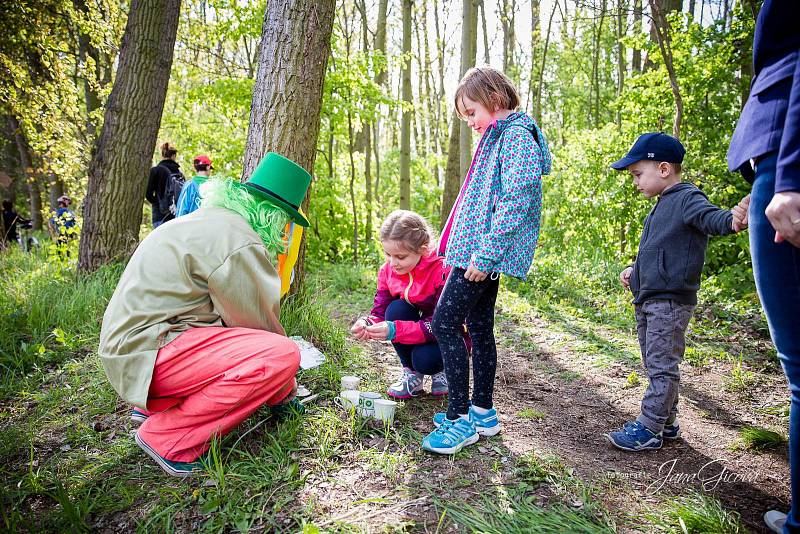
485 425
450 437
176 469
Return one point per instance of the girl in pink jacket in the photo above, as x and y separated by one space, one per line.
409 285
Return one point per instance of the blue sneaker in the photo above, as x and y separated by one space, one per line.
176 469
671 430
450 437
485 425
635 437
138 416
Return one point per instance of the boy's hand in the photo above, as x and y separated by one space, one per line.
474 275
379 331
740 218
359 329
625 277
784 214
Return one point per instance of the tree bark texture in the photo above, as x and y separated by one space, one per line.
662 29
405 127
123 153
636 58
287 96
469 49
452 183
31 179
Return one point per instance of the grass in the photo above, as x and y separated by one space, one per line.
71 465
760 439
517 514
697 513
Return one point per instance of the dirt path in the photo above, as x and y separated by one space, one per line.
557 400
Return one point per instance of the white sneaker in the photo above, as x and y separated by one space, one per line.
408 384
775 521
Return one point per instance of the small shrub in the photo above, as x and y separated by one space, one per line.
759 439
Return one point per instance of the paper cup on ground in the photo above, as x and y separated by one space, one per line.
347 399
384 410
350 382
366 403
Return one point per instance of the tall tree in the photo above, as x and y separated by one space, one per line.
662 30
458 153
381 75
287 96
405 131
469 49
118 170
508 21
636 58
31 178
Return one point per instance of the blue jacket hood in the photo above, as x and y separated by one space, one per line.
519 118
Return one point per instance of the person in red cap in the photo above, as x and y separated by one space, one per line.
189 200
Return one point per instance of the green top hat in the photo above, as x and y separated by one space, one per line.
282 182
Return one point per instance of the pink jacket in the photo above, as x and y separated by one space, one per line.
420 288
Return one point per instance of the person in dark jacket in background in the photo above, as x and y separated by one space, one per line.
158 182
665 278
765 148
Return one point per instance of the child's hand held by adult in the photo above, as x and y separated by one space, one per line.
625 277
740 218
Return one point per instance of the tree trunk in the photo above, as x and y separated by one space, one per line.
508 10
287 96
594 88
636 59
621 31
536 34
56 190
366 135
452 182
537 108
469 46
380 78
101 72
112 209
352 185
486 59
31 179
405 131
662 30
690 9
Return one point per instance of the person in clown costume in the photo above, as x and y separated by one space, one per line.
191 336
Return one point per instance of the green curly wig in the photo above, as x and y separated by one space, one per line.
266 219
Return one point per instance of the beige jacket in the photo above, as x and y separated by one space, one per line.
208 268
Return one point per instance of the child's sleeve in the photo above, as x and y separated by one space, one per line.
382 298
705 216
521 183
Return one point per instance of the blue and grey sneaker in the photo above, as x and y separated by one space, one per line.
451 436
485 425
138 416
671 430
634 436
408 384
176 469
439 385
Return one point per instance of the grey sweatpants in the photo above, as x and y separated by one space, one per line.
661 325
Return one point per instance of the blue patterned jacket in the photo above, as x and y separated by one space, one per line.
495 220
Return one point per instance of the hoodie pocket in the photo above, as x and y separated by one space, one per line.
651 271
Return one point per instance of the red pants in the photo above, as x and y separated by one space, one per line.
208 380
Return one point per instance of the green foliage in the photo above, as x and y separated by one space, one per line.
49 313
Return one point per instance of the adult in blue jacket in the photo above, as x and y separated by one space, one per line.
765 148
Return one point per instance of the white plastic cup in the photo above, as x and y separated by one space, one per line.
366 403
350 382
347 399
384 410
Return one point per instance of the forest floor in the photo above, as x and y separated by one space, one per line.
568 371
563 381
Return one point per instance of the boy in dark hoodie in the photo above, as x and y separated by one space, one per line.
665 278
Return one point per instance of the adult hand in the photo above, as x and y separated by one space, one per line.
474 275
379 331
625 277
784 214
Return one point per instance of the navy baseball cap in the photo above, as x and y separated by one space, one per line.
654 146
